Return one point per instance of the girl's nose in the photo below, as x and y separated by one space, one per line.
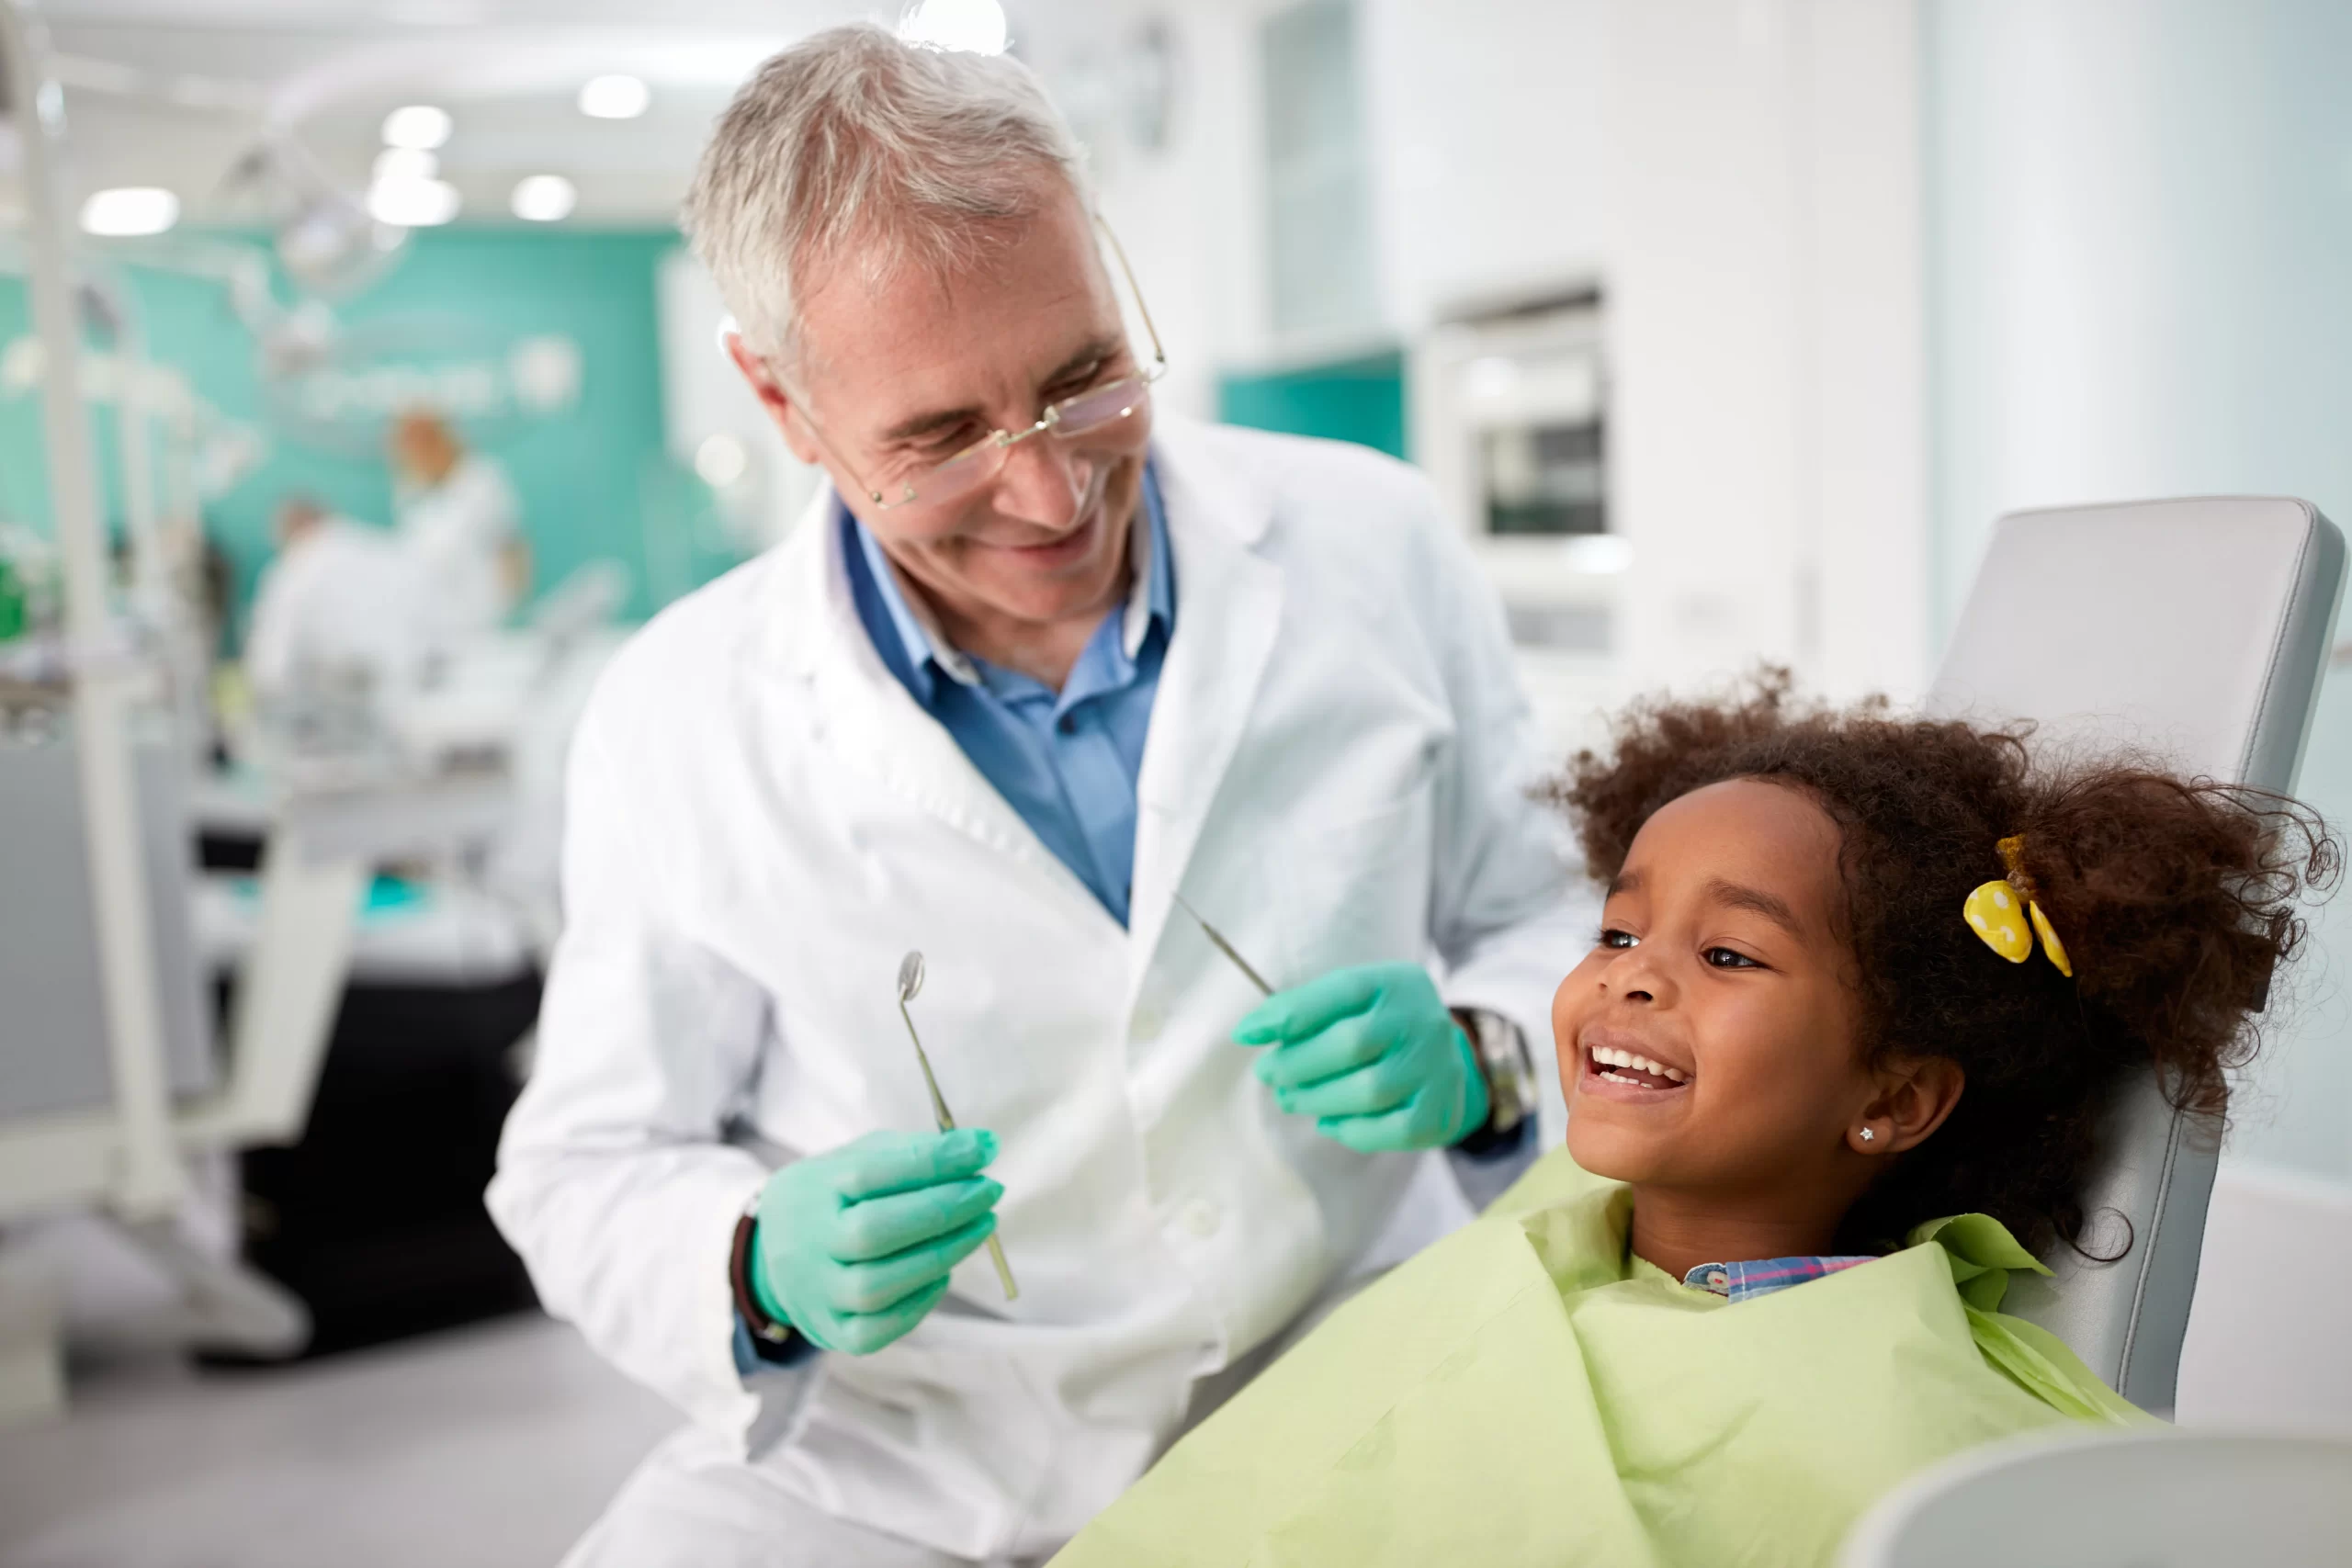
1635 976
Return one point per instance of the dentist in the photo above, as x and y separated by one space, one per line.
1040 662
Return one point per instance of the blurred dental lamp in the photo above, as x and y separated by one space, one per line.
327 241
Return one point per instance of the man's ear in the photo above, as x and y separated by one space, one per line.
780 404
1914 1095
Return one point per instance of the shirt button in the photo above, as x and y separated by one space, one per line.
1201 1217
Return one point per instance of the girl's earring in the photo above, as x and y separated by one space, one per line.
1868 1134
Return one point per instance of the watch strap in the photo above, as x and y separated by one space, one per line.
767 1332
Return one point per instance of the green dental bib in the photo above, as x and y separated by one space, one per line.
1527 1392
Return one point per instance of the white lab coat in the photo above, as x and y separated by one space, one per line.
340 601
457 533
761 821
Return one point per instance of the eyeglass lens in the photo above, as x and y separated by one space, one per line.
1084 414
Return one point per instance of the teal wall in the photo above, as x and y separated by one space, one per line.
582 474
1360 400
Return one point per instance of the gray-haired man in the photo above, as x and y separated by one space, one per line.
1036 670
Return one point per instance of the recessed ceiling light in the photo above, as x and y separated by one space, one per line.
420 126
974 24
406 164
544 199
413 204
128 210
614 97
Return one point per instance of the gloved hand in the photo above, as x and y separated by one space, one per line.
1372 1055
852 1247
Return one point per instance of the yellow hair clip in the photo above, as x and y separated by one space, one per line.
2003 914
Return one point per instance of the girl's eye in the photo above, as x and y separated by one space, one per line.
1725 958
1614 938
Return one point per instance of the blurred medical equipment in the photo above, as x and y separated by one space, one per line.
909 988
123 1142
1509 414
113 1101
1217 939
2119 1500
2196 629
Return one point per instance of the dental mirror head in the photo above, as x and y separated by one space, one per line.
910 976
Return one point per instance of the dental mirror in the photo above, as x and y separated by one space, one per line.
910 985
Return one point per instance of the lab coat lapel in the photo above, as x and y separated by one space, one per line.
1228 610
869 719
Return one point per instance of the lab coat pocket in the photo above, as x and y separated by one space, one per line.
1358 891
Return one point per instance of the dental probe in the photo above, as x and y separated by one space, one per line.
910 985
1224 946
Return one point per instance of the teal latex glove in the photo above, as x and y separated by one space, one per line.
852 1247
1372 1055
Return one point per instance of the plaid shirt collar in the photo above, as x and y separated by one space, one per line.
1762 1275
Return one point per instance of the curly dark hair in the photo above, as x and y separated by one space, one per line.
2174 899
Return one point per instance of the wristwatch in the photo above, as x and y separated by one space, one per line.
1504 1061
768 1337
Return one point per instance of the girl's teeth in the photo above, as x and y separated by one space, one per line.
1611 1056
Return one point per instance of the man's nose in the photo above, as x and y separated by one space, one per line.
1041 483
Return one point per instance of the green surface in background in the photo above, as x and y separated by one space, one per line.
1360 400
582 475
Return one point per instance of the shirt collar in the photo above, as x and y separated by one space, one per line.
1762 1275
1151 596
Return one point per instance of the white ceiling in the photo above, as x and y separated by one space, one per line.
173 92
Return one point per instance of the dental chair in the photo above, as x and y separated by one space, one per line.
2195 630
2114 1499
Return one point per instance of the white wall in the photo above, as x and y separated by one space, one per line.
1190 213
1766 322
2141 264
1484 119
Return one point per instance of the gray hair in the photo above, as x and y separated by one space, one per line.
854 137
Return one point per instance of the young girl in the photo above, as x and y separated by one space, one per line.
1835 1065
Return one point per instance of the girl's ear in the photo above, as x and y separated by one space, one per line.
1914 1095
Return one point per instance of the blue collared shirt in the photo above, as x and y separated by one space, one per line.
1066 760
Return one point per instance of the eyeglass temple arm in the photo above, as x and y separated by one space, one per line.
1159 354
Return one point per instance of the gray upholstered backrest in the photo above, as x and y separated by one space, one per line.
2196 629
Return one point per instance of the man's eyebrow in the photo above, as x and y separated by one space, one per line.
1094 350
1736 896
1624 882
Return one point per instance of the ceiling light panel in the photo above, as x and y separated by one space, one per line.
421 127
128 211
544 199
614 97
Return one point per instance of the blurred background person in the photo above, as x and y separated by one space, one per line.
341 607
458 517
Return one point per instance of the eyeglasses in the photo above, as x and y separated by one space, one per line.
1117 413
